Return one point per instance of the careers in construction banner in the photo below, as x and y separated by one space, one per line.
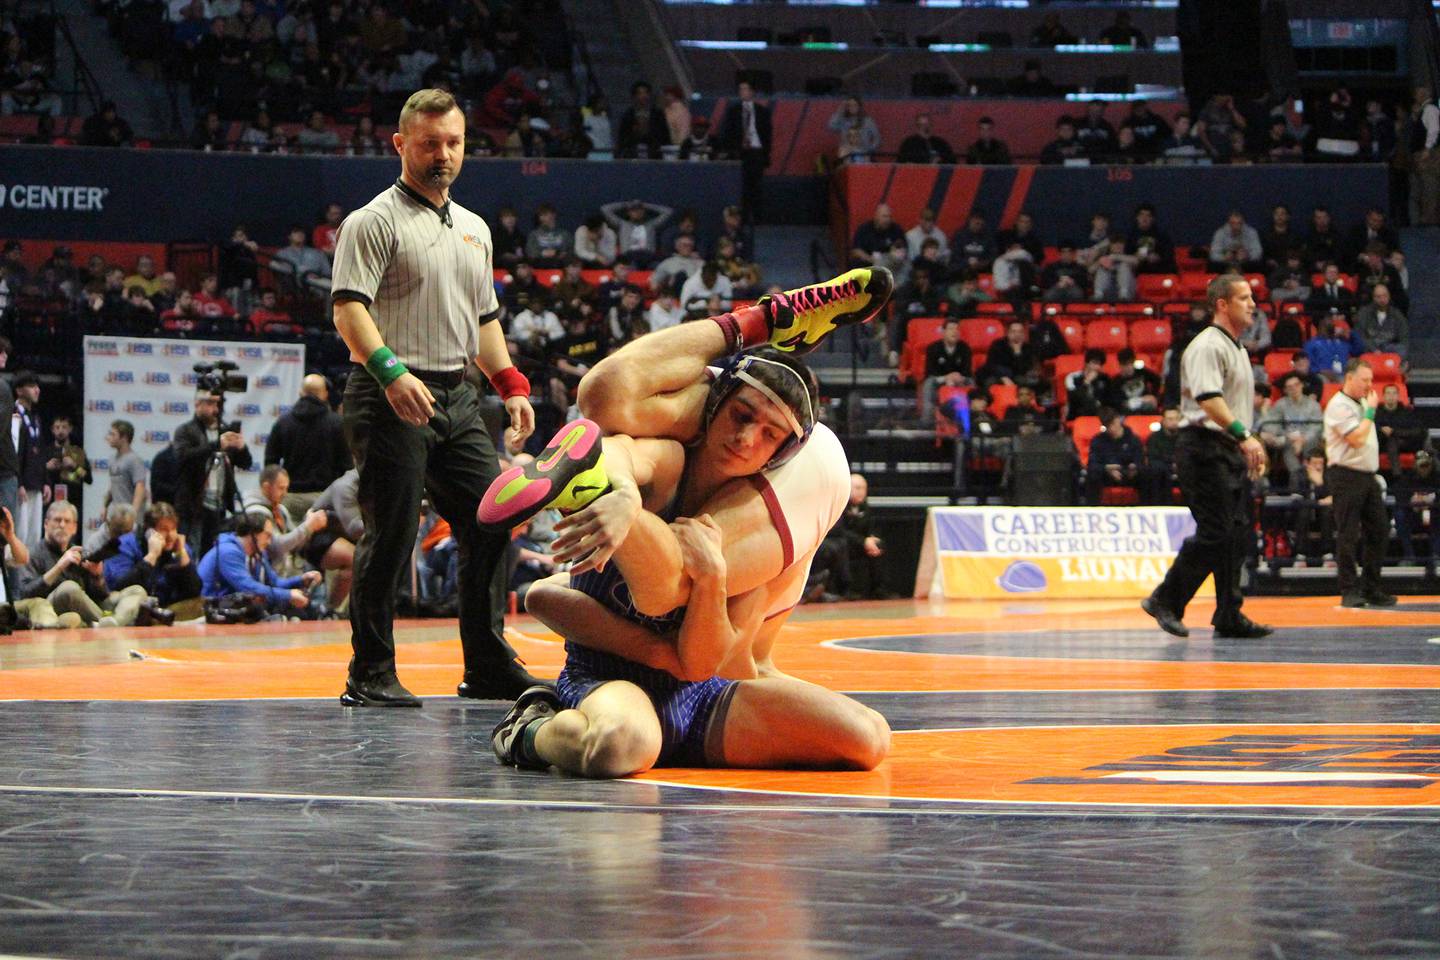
988 553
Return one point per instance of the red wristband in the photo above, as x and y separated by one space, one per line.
510 382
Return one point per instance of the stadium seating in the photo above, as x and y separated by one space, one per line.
1083 430
1073 330
1107 335
979 332
1150 335
1277 364
920 332
1388 367
1002 398
1158 286
1143 424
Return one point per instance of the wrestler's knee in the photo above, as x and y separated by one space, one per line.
603 396
540 598
618 746
868 738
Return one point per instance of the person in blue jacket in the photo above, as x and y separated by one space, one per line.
237 564
155 556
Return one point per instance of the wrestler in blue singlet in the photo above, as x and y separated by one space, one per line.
691 714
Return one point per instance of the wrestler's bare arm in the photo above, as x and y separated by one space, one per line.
715 626
649 555
655 385
581 618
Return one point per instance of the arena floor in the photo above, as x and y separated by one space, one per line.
1066 781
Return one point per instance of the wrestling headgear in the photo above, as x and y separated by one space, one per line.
751 370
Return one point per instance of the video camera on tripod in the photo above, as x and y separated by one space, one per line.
220 378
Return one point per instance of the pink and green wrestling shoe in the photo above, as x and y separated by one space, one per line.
568 474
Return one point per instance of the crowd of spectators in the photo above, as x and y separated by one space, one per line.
570 292
1223 131
175 539
1326 292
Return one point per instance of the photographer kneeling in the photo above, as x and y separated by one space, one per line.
156 557
60 587
236 575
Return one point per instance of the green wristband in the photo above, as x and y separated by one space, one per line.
1369 412
1238 429
385 367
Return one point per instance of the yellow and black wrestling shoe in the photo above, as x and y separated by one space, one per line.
800 319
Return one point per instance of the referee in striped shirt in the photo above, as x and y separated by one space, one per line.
414 300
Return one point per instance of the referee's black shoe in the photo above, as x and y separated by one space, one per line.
1243 629
382 691
1379 598
1164 616
1354 599
506 680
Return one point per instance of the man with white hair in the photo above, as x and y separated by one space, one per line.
60 588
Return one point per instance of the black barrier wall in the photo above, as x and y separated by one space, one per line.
163 195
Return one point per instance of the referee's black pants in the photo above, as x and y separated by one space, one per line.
453 458
1360 521
1215 487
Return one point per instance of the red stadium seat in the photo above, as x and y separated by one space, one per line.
1083 430
980 332
1065 365
1258 287
1143 424
924 330
1150 335
1132 309
1277 364
1329 390
920 332
1407 461
1119 497
1158 286
1187 261
1387 367
1347 280
1192 285
997 308
1002 398
1074 333
1107 335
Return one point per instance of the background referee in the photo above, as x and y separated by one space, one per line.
415 302
1352 458
1216 456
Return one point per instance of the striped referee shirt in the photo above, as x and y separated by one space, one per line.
424 272
1216 365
